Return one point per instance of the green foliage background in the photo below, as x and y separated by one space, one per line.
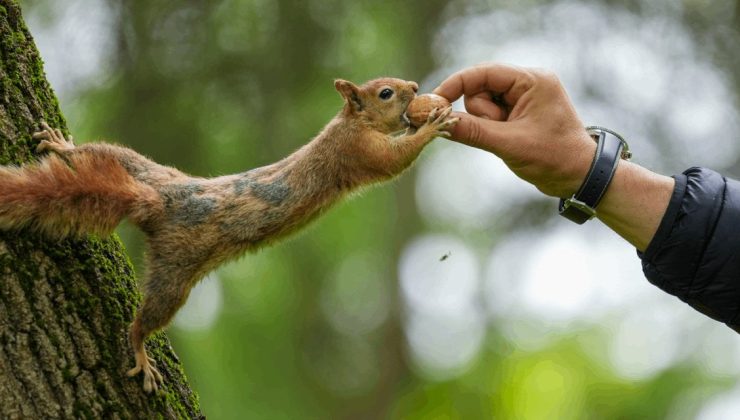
223 86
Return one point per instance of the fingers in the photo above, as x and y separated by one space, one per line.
500 79
481 105
485 134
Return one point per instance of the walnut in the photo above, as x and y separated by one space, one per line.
420 107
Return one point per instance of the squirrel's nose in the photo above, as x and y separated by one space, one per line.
414 86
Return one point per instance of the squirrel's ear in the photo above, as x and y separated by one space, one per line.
350 93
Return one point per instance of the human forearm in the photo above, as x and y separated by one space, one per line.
635 202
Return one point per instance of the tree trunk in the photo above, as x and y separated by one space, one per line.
65 306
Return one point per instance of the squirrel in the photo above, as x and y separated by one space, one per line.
89 189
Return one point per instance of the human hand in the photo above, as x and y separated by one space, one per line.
525 117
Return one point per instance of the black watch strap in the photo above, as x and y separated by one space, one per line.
610 148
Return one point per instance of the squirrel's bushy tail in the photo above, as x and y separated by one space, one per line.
82 193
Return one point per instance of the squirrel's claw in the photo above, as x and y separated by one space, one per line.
448 123
445 134
52 139
43 146
440 122
432 116
438 115
152 378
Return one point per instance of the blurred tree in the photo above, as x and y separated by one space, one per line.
65 305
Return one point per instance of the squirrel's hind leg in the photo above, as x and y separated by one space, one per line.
144 363
166 288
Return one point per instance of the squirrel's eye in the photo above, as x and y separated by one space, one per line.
386 94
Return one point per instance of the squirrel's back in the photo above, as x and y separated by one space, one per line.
82 193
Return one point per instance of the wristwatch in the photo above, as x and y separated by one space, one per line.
610 148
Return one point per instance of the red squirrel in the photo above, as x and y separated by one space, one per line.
193 224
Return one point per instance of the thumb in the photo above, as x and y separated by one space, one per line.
480 132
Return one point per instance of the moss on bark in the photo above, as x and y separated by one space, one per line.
65 306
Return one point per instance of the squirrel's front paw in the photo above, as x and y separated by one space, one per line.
52 140
438 122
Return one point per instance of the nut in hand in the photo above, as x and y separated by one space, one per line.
420 107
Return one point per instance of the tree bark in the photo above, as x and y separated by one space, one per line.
65 306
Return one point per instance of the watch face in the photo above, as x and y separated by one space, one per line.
576 211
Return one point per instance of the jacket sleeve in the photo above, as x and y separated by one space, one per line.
695 253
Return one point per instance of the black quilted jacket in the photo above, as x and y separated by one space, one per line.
695 254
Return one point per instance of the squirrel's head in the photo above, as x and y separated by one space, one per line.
379 103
